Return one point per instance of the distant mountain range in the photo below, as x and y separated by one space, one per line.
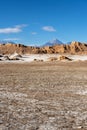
49 43
5 42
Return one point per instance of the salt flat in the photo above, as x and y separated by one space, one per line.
45 57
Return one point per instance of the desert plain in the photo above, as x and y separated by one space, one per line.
49 95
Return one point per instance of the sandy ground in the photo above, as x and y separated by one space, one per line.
43 96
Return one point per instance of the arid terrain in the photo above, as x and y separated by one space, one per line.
43 95
73 48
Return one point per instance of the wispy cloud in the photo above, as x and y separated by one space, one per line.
49 29
34 33
15 29
11 39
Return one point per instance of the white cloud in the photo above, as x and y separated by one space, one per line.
16 29
48 28
10 30
11 39
34 33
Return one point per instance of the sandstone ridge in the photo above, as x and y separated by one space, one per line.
73 48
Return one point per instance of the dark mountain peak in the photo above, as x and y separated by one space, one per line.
53 42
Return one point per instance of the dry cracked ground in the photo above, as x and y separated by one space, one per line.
43 96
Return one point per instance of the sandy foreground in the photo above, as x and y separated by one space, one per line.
43 95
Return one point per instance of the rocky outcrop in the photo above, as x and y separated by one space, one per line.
19 48
77 47
73 48
61 58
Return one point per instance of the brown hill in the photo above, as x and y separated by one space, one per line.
73 48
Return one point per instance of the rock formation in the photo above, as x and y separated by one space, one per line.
64 58
73 48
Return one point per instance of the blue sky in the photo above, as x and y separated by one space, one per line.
34 22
